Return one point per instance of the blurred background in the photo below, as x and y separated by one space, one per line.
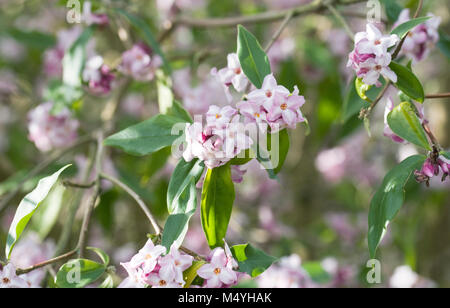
315 216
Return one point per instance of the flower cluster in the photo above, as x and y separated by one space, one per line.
98 76
150 267
274 105
220 140
431 168
421 39
370 57
139 63
219 272
232 74
9 279
49 131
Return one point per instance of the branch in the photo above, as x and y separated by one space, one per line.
316 6
78 185
439 95
277 34
45 263
97 190
136 197
341 19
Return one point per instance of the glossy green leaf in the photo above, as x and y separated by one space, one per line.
75 58
103 256
393 9
79 273
181 178
407 82
146 34
27 207
217 203
146 137
251 260
253 59
405 123
389 198
402 29
190 274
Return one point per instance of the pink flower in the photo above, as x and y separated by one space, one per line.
9 279
253 112
421 39
147 257
174 264
219 117
237 173
268 91
49 131
136 277
370 57
139 63
233 74
219 272
98 76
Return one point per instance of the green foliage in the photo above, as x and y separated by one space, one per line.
253 59
389 198
190 274
217 203
404 122
75 58
27 207
402 29
362 88
407 82
251 260
392 9
146 137
317 273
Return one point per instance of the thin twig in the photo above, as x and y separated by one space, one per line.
365 113
95 195
430 134
136 197
45 263
341 19
79 185
277 34
270 16
439 95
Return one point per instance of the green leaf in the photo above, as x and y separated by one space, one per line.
147 35
316 272
103 256
402 29
389 198
167 104
405 123
79 273
190 274
242 158
63 95
33 39
253 59
146 137
75 58
251 260
217 203
28 207
393 9
273 158
408 82
181 178
362 88
45 219
284 145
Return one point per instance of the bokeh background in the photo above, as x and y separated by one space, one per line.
316 213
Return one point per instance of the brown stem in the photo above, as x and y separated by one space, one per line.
432 137
20 271
439 95
270 16
277 34
78 185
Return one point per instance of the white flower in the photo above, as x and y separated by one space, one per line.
233 74
219 272
147 257
9 279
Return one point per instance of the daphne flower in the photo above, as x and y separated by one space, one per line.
9 279
374 42
268 91
219 117
233 74
49 131
371 70
253 112
98 76
147 257
163 280
421 38
218 272
136 277
285 110
139 63
175 264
